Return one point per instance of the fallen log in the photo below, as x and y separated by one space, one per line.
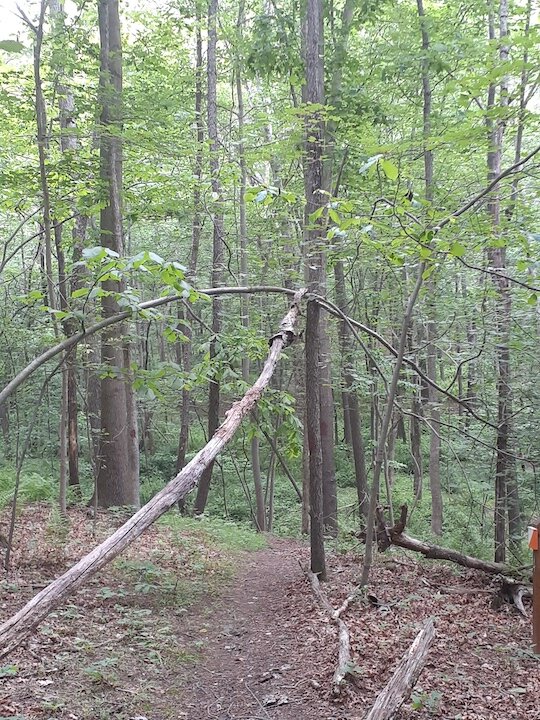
513 585
387 536
404 678
344 665
20 625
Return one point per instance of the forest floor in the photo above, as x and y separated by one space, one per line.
189 625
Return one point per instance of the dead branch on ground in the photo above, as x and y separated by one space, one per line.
513 583
404 678
345 665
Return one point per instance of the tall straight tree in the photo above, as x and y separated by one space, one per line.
434 412
495 123
260 514
217 245
315 236
196 231
68 145
118 474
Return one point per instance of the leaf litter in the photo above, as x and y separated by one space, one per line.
177 628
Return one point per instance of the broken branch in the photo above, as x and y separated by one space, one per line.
345 665
404 678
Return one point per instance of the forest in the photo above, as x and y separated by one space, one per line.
269 309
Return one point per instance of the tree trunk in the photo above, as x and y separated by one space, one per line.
404 678
217 251
497 260
385 426
350 397
431 368
330 508
318 560
315 236
68 143
255 455
117 481
186 346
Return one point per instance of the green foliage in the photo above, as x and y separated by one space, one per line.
33 487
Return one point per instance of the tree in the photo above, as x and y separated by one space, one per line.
314 238
217 246
118 476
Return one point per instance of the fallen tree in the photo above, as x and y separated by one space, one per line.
20 625
399 686
387 536
513 584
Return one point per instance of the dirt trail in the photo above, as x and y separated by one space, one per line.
256 663
167 634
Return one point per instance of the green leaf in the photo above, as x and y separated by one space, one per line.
316 214
34 295
457 249
390 170
12 46
9 670
428 272
532 299
334 216
81 292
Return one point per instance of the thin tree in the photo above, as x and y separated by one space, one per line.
197 224
217 245
243 237
431 367
505 463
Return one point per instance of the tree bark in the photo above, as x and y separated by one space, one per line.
186 346
395 536
315 236
350 399
404 678
344 664
68 143
434 412
117 480
243 237
504 467
217 249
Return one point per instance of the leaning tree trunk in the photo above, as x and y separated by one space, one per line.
385 425
117 480
14 631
